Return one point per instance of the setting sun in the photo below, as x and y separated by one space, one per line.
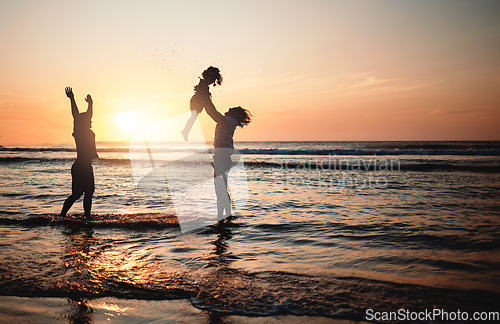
126 120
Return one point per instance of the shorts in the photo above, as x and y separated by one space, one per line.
222 160
197 102
82 178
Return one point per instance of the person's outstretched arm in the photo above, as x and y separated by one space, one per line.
90 110
71 96
213 112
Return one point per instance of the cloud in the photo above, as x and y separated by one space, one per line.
457 112
370 82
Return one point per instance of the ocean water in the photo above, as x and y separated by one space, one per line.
327 229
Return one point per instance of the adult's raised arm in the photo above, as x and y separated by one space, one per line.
71 96
90 110
213 112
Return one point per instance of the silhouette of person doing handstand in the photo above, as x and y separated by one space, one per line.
82 174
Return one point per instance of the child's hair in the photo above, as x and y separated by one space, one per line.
242 116
212 75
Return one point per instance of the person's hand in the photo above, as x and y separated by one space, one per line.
89 99
69 92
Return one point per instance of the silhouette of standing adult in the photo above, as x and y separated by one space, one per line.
223 149
82 174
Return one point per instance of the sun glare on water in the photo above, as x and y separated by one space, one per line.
126 120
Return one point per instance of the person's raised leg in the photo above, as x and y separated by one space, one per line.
69 202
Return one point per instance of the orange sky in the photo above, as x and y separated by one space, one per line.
307 70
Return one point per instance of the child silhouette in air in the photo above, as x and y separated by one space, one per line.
82 174
201 91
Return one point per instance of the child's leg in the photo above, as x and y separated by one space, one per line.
189 124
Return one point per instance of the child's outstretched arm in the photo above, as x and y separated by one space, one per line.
71 96
90 109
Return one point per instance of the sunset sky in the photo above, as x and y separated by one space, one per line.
307 70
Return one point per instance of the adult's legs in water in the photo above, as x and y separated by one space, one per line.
223 198
82 182
222 165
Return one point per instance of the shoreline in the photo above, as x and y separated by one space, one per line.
117 310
